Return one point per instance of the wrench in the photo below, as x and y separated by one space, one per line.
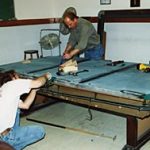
76 73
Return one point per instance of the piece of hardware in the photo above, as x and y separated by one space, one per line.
143 67
76 73
114 63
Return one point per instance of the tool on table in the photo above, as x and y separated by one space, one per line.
143 67
76 73
114 63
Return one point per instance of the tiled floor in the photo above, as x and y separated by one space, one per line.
103 132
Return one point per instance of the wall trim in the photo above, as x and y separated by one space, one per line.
136 15
38 21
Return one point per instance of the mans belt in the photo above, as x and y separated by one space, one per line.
5 132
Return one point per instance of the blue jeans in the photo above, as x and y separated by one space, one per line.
20 137
95 53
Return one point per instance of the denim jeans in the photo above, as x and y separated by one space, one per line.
95 53
21 136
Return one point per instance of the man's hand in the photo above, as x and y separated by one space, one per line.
67 56
48 76
71 54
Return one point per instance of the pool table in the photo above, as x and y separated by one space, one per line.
115 88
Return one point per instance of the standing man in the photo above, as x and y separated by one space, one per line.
83 38
11 88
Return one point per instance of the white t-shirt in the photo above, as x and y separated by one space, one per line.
10 94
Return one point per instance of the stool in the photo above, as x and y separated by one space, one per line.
30 52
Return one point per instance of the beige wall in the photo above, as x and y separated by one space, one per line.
129 42
25 9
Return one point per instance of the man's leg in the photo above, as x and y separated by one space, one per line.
23 136
20 137
95 53
17 120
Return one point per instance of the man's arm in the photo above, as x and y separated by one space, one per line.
28 101
68 48
40 81
71 53
37 83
